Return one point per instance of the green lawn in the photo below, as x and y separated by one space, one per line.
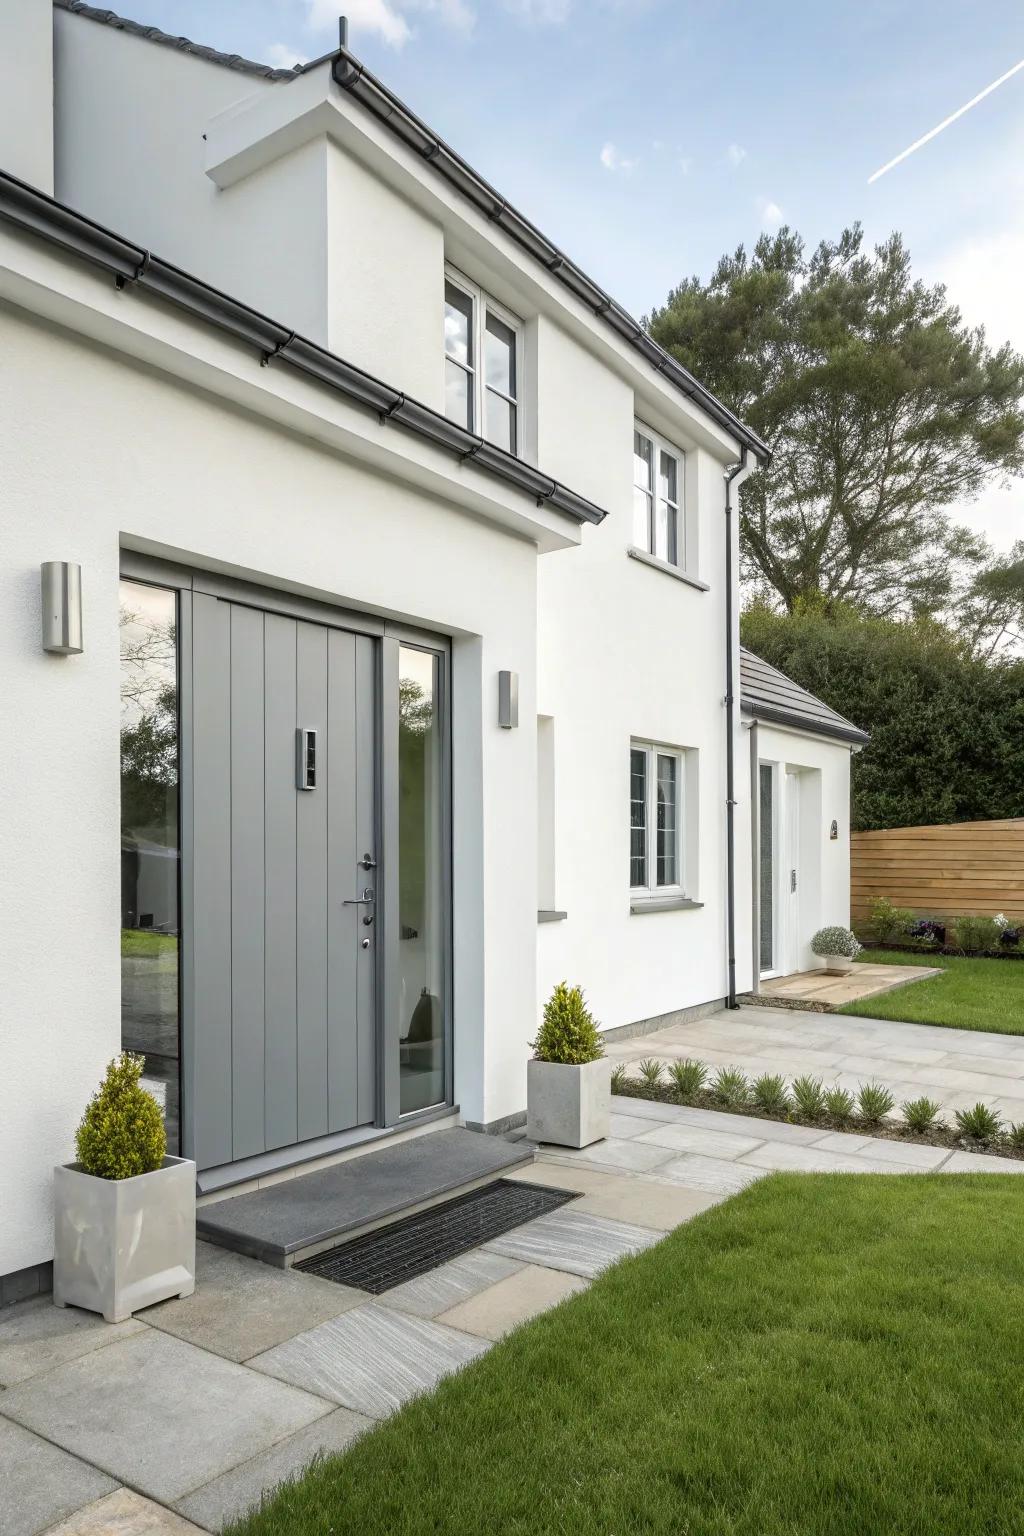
143 941
970 994
831 1354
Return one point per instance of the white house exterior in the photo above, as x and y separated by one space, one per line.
407 662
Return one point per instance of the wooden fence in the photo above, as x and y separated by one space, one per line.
969 868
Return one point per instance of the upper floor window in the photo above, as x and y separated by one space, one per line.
482 364
658 523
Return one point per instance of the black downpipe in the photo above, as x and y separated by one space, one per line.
730 739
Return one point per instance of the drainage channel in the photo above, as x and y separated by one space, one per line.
417 1244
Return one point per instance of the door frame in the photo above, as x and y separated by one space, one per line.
390 635
792 809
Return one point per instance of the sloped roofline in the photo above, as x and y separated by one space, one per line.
354 77
784 702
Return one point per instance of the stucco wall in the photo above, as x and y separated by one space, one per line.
93 450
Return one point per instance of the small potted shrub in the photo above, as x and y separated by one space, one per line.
124 1212
568 1081
837 947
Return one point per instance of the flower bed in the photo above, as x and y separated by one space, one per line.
809 1101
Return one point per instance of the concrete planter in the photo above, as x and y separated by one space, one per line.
568 1105
123 1244
839 965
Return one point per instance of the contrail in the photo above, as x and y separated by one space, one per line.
946 121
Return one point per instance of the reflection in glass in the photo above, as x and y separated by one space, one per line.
457 399
643 475
501 422
637 817
668 834
421 948
767 866
149 841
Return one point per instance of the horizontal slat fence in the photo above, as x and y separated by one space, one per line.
971 868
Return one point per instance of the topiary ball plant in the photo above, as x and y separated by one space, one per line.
835 941
122 1131
568 1033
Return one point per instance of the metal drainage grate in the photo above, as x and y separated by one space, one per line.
418 1244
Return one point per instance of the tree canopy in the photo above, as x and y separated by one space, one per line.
946 725
884 411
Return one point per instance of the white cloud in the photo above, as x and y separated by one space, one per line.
685 164
614 160
735 154
283 55
389 19
770 213
540 13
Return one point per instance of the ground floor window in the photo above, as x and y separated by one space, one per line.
655 819
150 844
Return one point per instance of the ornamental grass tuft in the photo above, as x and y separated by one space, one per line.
688 1077
979 1123
651 1071
769 1093
839 1103
730 1086
809 1097
874 1101
920 1114
122 1131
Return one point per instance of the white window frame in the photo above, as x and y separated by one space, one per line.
660 445
650 888
482 306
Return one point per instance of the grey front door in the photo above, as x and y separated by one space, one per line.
282 1044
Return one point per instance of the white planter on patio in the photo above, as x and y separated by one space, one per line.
838 965
568 1105
123 1244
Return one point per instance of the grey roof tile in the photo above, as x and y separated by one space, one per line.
768 694
183 44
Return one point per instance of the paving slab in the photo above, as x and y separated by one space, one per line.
124 1513
286 1219
722 1120
371 1359
694 1138
981 1162
229 1497
450 1283
160 1414
241 1307
915 1154
712 1175
512 1301
776 1156
41 1484
622 1127
573 1240
616 1153
35 1336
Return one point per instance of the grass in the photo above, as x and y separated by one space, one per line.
143 941
970 994
831 1354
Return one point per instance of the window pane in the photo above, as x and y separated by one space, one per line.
637 817
668 477
666 544
149 841
500 356
421 941
458 324
641 518
766 841
458 398
643 462
501 422
668 835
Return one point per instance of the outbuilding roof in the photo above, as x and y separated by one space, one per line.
769 695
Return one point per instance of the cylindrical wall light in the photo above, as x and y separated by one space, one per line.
62 607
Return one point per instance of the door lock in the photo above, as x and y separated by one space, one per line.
364 944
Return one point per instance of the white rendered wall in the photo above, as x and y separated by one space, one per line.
626 651
144 459
26 91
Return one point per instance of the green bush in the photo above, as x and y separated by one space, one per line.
769 1093
979 1123
888 923
809 1097
974 935
688 1077
568 1033
730 1086
839 1103
835 941
651 1071
920 1113
874 1101
122 1131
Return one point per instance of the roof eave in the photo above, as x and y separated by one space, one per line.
837 731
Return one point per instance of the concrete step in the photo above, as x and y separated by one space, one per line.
302 1216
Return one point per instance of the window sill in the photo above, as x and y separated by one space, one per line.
669 570
549 915
640 904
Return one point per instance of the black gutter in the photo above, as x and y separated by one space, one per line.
730 744
133 267
353 76
776 715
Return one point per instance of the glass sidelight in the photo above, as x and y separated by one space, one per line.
422 883
150 856
766 865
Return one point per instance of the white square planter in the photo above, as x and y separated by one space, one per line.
123 1244
568 1105
838 965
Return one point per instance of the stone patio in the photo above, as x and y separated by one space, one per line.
178 1421
864 980
955 1067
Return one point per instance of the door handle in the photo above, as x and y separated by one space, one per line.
792 880
365 900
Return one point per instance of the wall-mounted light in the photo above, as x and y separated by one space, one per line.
508 700
62 607
834 832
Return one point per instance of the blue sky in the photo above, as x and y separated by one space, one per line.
648 136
